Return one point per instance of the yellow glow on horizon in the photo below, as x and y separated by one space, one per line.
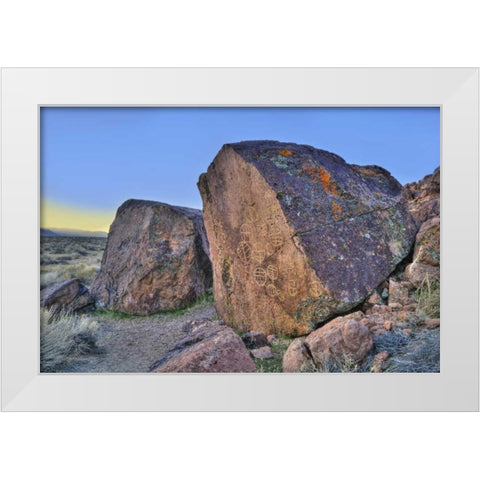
53 215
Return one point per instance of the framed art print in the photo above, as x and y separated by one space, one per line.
240 239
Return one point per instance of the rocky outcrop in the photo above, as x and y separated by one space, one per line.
207 347
297 235
424 197
426 255
68 296
156 259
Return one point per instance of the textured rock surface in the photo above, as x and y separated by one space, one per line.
297 358
207 347
424 197
426 254
68 296
298 235
262 352
340 339
156 259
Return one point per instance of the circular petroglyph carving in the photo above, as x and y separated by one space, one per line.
272 290
244 252
260 276
246 232
258 255
272 272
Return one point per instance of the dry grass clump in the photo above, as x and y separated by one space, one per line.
428 298
339 364
85 273
64 337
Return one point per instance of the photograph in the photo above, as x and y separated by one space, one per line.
281 240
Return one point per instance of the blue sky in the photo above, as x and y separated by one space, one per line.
93 159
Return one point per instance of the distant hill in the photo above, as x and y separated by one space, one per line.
70 232
48 233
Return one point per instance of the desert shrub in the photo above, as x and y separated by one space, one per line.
428 298
64 337
393 342
422 356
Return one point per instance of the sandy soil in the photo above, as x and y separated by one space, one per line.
133 344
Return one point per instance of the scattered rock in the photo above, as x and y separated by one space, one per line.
339 339
398 293
156 259
271 339
207 347
254 340
284 219
387 325
262 352
296 358
68 296
379 361
431 323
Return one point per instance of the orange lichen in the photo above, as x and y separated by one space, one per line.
337 210
285 153
320 175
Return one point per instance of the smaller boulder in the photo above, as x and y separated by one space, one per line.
255 340
208 347
262 352
297 358
68 296
339 340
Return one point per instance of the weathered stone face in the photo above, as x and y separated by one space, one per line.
156 259
297 235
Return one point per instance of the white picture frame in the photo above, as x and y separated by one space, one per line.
455 91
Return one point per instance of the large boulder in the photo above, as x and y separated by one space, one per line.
68 296
156 259
297 235
207 347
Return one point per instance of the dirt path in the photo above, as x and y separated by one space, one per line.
133 344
